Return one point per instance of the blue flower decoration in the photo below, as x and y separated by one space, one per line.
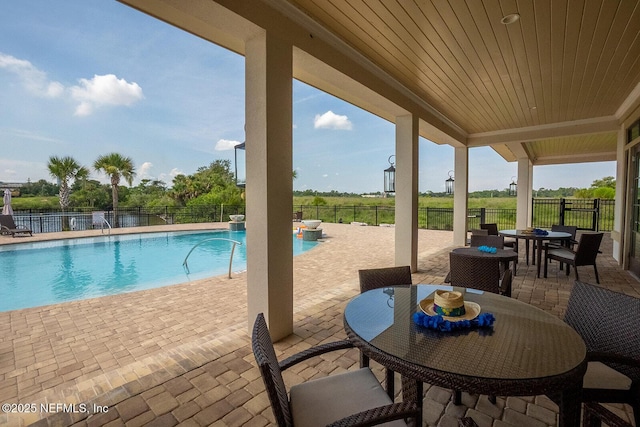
438 323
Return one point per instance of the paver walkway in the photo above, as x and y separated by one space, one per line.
181 355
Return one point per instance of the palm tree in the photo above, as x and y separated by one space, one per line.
65 169
115 166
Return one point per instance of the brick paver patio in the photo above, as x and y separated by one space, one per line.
181 355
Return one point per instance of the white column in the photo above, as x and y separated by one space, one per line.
406 238
269 187
621 196
460 195
525 193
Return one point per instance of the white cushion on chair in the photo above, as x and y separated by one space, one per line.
602 376
564 253
324 400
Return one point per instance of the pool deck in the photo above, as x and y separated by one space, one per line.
181 355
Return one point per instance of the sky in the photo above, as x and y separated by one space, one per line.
83 78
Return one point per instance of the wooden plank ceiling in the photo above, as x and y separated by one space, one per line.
562 61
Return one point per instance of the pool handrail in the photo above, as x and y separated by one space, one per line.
233 248
108 225
98 218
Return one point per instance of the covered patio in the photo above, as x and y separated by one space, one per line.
555 84
181 354
539 82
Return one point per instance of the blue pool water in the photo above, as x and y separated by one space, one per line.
41 273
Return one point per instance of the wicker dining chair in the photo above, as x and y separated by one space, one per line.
376 278
479 232
345 399
492 228
608 323
594 415
488 240
571 229
478 272
585 254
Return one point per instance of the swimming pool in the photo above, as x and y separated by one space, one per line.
42 273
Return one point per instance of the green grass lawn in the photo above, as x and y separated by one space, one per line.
423 202
35 203
51 202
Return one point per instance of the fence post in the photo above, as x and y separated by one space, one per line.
483 215
426 218
562 208
596 215
335 214
376 214
533 210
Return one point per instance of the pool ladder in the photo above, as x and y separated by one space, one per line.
233 248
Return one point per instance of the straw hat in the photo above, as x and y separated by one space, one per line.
450 305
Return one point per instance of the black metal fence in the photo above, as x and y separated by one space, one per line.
85 218
587 214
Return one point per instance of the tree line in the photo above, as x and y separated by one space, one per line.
209 185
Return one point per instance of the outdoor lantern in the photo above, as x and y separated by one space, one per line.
241 174
448 183
513 187
390 177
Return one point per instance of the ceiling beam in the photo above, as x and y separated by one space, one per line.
575 158
555 130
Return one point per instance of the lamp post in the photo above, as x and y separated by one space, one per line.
240 165
513 187
448 183
390 177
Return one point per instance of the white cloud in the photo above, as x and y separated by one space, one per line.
144 169
104 90
330 120
33 79
225 144
98 91
168 177
325 175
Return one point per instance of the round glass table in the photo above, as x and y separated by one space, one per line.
538 239
526 352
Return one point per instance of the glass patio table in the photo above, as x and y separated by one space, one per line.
526 352
538 239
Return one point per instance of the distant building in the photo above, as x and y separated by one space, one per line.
13 186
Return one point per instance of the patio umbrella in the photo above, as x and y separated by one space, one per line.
6 209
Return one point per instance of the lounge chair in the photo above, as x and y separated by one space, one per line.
8 226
